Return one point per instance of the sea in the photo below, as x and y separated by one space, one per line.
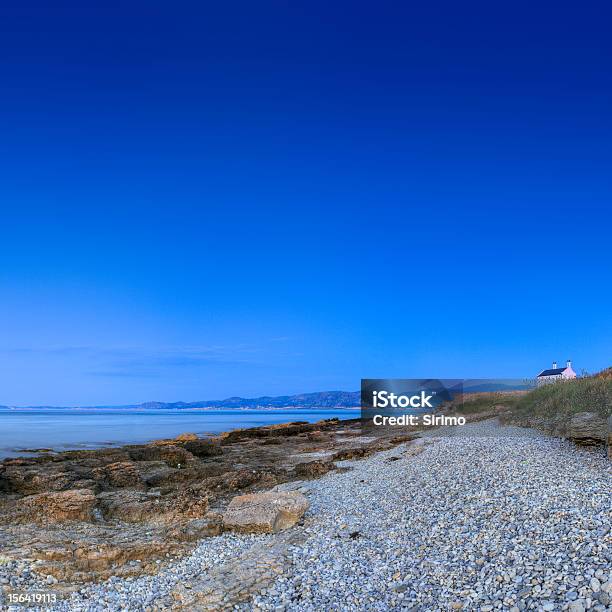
79 428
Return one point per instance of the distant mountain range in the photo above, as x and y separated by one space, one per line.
322 399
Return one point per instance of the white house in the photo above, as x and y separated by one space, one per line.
555 374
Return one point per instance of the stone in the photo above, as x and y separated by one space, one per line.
294 428
186 437
137 506
316 436
128 506
120 474
159 474
35 479
265 512
235 480
358 452
226 585
587 428
196 529
203 448
168 453
313 469
72 505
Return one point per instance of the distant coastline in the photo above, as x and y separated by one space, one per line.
322 399
316 400
142 408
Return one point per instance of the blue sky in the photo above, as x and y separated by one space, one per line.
209 199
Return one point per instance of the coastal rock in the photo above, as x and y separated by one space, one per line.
36 479
265 512
186 437
190 503
402 439
106 557
358 452
128 506
280 430
73 505
137 506
587 428
147 506
610 437
235 480
226 585
313 469
120 474
158 474
317 436
169 454
196 529
201 447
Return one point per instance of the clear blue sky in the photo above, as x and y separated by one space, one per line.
242 198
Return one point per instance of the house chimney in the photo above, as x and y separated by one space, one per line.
569 363
554 365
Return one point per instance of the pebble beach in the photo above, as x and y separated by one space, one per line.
496 518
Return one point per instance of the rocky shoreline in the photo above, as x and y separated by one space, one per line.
489 518
89 515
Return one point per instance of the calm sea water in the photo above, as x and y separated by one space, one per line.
62 429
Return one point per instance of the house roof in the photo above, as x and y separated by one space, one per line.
554 372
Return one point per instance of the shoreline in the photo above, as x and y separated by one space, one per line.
220 418
146 503
492 489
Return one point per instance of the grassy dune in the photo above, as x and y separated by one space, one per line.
549 405
564 399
